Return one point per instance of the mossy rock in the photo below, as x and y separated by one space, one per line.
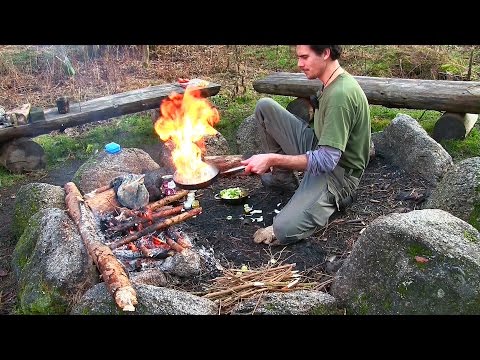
32 198
41 299
51 264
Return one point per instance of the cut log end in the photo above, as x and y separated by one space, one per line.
22 155
453 126
126 298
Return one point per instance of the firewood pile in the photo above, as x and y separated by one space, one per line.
142 239
237 285
127 240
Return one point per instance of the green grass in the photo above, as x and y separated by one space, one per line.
382 116
463 149
131 131
458 149
7 179
275 58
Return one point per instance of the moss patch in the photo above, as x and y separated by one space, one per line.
474 219
25 246
470 237
421 251
418 250
21 217
40 299
361 304
326 310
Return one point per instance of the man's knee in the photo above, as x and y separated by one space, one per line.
264 104
287 234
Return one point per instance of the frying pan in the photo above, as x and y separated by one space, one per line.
213 174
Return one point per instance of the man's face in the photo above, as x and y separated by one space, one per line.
310 63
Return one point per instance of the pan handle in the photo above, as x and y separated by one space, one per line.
233 170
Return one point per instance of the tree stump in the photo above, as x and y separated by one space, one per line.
453 126
22 155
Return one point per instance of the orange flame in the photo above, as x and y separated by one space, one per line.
186 119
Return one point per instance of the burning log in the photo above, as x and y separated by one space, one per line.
178 237
167 200
160 252
175 246
157 226
153 216
112 272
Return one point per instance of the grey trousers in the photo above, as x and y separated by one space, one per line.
317 197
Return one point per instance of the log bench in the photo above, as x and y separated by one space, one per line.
460 100
18 153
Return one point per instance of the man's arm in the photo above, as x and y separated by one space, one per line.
323 159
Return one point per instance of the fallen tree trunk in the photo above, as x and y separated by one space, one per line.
454 126
112 271
21 155
441 95
101 108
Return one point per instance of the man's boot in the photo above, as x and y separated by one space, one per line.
280 179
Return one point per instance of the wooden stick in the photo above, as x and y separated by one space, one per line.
167 200
139 220
110 268
157 226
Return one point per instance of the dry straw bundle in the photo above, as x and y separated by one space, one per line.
240 284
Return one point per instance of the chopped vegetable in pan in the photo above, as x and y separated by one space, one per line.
232 193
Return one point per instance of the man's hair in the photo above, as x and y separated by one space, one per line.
335 50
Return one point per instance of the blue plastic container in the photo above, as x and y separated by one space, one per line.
112 148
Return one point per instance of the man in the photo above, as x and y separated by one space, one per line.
332 155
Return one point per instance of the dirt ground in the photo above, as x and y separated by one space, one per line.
224 228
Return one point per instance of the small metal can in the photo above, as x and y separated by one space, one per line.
63 105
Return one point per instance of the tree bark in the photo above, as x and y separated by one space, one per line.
101 108
454 126
441 95
22 155
112 271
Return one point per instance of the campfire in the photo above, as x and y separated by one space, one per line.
184 121
121 227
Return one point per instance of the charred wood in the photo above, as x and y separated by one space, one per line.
179 237
157 226
175 246
140 220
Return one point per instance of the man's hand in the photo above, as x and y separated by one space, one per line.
257 164
266 236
